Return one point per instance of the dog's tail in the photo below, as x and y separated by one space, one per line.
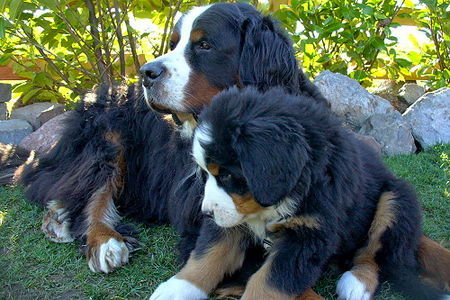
11 158
434 262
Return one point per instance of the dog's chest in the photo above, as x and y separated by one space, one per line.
265 230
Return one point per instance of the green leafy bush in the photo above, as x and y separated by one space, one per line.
65 47
355 38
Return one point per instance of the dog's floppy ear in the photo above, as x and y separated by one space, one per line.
272 158
267 56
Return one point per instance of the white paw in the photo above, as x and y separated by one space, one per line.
350 288
55 224
108 256
178 289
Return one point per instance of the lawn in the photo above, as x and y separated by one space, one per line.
33 267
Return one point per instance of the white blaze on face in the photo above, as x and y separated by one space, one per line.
221 204
215 199
176 65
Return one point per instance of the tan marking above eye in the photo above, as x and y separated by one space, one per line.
175 37
196 35
213 169
246 204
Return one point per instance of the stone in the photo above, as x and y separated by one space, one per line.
5 92
349 100
3 111
50 113
410 92
32 112
388 89
369 140
45 137
13 131
429 118
391 131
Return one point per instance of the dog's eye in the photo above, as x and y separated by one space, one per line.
204 45
172 45
225 178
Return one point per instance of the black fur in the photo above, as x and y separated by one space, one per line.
286 146
160 183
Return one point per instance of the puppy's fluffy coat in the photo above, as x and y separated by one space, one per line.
282 169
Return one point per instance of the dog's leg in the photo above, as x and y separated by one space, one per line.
360 283
56 223
301 248
391 251
217 253
434 260
106 248
258 287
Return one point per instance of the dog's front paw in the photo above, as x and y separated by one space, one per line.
350 287
107 256
56 224
178 289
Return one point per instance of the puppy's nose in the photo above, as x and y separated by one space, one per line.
151 72
208 213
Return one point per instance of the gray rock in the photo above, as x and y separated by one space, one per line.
391 131
32 112
3 111
13 131
47 135
5 92
429 118
349 99
389 89
369 140
50 113
410 92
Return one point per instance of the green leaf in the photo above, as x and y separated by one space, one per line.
51 4
5 59
403 62
379 16
358 75
25 98
15 8
324 58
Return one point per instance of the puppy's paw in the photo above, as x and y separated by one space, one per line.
350 287
178 289
55 224
106 257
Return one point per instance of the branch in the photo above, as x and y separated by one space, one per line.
96 37
30 39
76 36
163 39
382 24
137 64
172 19
120 39
105 38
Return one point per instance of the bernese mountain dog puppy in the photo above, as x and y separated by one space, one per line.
118 158
281 169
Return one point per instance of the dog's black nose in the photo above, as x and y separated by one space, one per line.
151 72
209 213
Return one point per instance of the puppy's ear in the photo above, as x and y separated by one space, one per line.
272 158
267 56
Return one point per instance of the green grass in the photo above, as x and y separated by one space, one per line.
33 267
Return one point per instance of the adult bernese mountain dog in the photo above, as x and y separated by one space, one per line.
281 167
119 158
